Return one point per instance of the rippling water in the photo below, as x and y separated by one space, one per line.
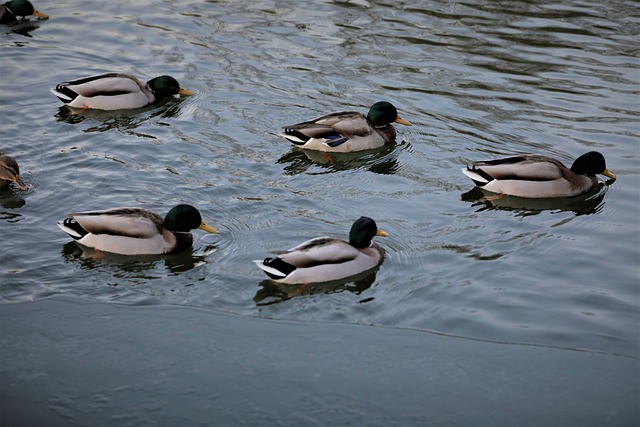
477 80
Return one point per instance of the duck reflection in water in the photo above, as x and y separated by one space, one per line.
125 121
10 200
128 265
382 161
271 292
24 28
583 204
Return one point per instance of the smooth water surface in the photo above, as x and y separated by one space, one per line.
477 79
172 366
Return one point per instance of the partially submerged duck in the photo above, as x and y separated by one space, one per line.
116 91
325 259
11 10
10 172
135 231
347 131
535 176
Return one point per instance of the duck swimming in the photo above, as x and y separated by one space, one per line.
325 259
116 91
135 231
535 176
11 10
347 131
10 172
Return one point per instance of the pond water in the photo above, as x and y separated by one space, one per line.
478 80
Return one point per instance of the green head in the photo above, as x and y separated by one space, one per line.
382 113
166 86
20 7
23 8
590 164
184 218
362 231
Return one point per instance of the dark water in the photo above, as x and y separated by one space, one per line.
477 80
165 365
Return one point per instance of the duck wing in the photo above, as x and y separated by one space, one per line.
319 251
110 84
129 222
525 167
335 128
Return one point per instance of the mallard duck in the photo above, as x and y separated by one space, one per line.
325 259
347 131
116 91
135 231
534 176
10 172
11 10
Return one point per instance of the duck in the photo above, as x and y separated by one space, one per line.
325 259
135 231
538 176
347 131
11 10
116 91
10 172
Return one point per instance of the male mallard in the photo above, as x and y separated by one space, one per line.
325 259
116 91
10 172
135 231
533 176
347 131
10 11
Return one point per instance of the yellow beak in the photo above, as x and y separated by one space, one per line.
610 174
185 92
403 121
40 15
382 233
207 228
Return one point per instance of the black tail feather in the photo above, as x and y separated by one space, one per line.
280 265
72 224
67 92
296 134
479 171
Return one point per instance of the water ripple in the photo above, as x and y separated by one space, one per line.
478 80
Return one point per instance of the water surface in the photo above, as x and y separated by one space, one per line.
476 80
